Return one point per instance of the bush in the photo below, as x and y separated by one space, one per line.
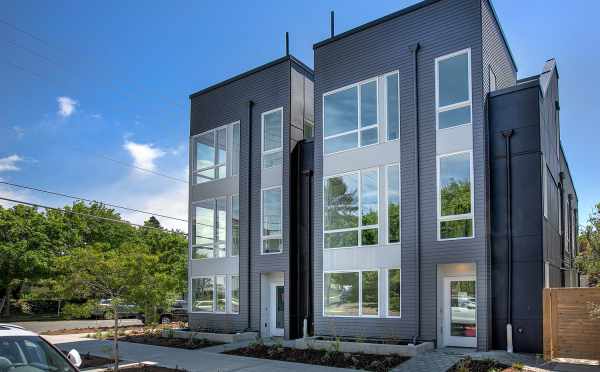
79 311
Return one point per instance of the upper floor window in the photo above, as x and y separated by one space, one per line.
235 225
455 196
272 138
453 89
211 151
271 221
235 151
392 94
351 117
209 229
393 202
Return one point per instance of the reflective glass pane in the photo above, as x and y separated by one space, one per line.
204 224
368 104
341 239
369 237
202 294
369 136
341 294
272 130
370 293
464 307
235 294
279 308
221 172
456 229
341 143
205 175
201 252
393 107
341 202
221 297
308 129
272 159
393 203
221 231
272 246
205 150
394 292
455 184
453 80
452 118
235 153
341 111
272 212
222 146
369 197
235 225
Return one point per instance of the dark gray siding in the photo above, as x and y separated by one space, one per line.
440 28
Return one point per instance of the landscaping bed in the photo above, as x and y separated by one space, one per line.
89 330
378 346
330 358
90 361
157 339
485 365
214 336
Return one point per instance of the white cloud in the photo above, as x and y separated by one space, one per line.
9 163
66 106
143 155
19 132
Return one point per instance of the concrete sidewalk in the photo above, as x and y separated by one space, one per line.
209 359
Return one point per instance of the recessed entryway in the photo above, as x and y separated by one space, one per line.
272 304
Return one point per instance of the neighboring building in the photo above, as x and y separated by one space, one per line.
393 221
242 135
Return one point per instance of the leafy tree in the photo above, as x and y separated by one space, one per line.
588 260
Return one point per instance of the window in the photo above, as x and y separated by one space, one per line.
309 129
211 155
453 89
393 296
202 294
351 117
272 138
351 293
393 202
351 209
209 229
221 301
545 186
235 225
235 151
455 197
235 294
271 221
393 106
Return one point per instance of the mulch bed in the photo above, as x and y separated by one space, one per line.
88 330
157 340
147 368
369 362
89 361
475 365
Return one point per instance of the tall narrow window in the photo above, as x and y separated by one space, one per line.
369 207
221 301
202 294
221 228
455 212
393 292
211 155
393 106
210 229
393 202
235 225
272 141
271 221
235 151
235 294
370 293
453 89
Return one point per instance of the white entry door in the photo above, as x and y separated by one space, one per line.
277 309
460 311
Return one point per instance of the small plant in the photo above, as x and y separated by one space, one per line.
463 365
518 366
171 333
337 345
258 342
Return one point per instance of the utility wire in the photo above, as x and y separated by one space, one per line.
89 201
91 216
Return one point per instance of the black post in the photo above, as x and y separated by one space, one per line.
287 43
507 134
332 23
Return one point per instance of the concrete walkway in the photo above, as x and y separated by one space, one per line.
207 359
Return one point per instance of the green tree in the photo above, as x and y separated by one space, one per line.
588 259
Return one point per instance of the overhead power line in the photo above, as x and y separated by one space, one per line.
89 200
90 216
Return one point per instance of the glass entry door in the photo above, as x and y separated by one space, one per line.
460 315
277 309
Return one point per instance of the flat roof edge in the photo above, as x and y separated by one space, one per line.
531 83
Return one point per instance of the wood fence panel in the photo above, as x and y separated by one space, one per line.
569 330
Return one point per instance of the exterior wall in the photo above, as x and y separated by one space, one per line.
451 26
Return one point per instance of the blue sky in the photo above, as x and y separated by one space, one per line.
112 79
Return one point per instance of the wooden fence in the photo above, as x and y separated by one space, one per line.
570 331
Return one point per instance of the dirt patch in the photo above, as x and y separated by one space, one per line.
369 362
475 365
89 361
146 368
157 340
89 330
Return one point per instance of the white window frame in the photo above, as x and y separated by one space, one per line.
453 106
387 206
270 237
385 76
214 294
228 235
464 216
229 153
230 294
360 227
262 136
387 293
358 129
360 294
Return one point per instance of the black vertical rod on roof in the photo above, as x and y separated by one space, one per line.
332 23
287 43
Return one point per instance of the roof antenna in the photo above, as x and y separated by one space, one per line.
287 43
332 23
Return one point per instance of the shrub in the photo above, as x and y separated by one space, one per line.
79 311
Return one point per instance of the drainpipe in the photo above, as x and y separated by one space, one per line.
507 134
250 105
308 253
562 229
414 50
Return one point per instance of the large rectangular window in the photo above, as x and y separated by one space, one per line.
209 229
393 202
202 294
235 225
272 138
453 89
235 294
351 293
351 117
271 221
351 209
210 155
393 296
221 299
392 89
455 196
209 294
235 151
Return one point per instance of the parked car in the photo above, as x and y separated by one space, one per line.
104 310
21 350
176 313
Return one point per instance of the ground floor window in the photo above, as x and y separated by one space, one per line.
214 294
393 299
351 293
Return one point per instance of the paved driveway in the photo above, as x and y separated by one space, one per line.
208 359
56 325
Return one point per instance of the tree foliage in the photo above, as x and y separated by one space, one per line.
588 260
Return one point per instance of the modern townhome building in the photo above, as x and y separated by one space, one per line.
433 204
242 133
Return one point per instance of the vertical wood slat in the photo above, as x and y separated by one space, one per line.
547 331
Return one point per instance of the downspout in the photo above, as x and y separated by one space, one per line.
414 50
308 258
562 229
509 341
250 105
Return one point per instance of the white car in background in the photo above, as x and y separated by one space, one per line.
25 351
